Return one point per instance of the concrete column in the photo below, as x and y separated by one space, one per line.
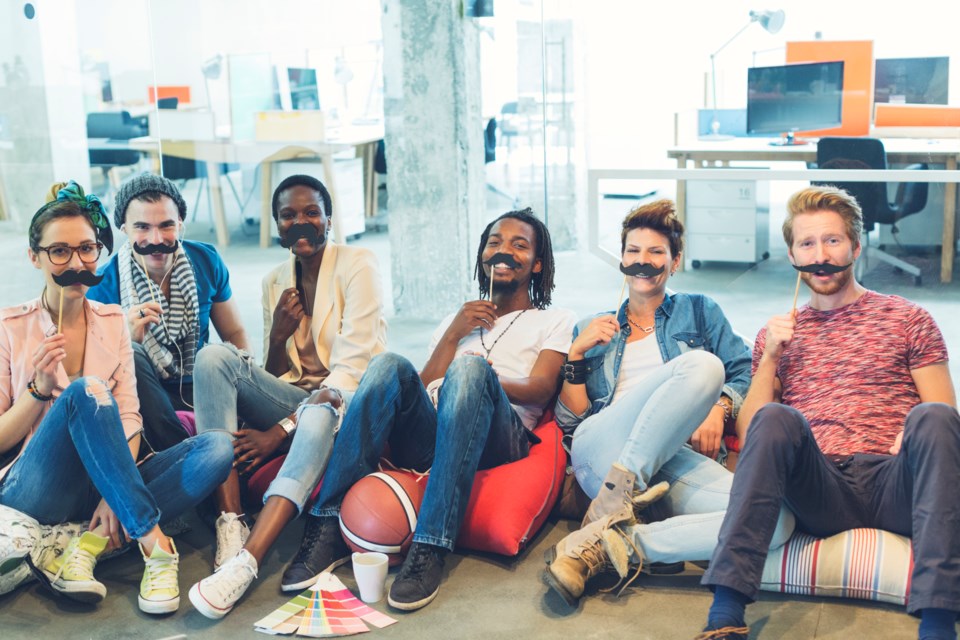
434 150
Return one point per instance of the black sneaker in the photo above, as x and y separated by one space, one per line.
322 549
418 582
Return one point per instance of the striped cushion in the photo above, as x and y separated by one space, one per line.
868 564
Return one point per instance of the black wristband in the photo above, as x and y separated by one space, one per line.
32 388
575 371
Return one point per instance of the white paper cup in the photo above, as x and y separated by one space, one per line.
370 572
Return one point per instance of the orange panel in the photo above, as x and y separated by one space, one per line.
917 115
182 94
857 56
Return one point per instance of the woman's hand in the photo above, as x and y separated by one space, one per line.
601 330
140 317
104 522
706 439
251 447
287 315
46 359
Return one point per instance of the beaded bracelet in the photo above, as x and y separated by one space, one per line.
575 371
32 388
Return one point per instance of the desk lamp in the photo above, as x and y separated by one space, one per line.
211 70
771 21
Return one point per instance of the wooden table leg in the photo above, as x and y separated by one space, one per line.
266 202
331 184
216 199
949 225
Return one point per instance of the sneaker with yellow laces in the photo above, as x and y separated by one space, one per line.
71 573
160 587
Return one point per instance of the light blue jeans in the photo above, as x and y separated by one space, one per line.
229 386
646 431
79 453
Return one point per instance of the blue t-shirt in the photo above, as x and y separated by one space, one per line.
209 270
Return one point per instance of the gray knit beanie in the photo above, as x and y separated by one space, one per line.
143 183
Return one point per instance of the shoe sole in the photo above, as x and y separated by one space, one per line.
158 607
303 584
551 581
412 606
201 605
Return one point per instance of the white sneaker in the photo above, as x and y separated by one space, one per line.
215 595
232 534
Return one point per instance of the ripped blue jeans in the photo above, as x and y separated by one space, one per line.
79 453
229 386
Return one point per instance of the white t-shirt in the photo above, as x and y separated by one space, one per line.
518 345
640 359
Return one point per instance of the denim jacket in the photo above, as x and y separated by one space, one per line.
684 321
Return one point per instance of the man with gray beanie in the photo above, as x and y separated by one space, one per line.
171 289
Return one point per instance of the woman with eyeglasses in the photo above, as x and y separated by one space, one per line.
69 414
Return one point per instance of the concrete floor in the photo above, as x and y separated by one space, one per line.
483 595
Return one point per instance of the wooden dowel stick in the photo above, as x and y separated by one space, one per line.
796 294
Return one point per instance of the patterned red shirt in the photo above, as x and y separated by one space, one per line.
847 370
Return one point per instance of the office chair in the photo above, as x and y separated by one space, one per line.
911 198
115 126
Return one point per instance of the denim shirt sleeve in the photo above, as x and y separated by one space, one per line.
732 350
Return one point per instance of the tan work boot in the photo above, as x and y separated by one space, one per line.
588 552
618 490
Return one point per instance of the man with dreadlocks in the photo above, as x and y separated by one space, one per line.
492 367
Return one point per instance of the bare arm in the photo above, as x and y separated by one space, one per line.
601 330
934 384
540 386
226 320
766 387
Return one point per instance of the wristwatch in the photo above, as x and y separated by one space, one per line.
288 425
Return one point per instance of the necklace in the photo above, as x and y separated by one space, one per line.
502 333
637 325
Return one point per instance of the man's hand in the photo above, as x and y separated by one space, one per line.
473 314
779 334
140 317
104 521
287 315
706 439
251 447
601 330
895 447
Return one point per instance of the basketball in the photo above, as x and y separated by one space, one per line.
379 513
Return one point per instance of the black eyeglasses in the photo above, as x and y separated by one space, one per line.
61 254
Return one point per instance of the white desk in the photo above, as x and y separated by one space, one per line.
899 150
217 152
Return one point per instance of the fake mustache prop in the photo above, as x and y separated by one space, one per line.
822 268
149 249
641 269
300 230
71 277
501 258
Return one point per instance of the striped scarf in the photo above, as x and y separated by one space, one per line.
180 327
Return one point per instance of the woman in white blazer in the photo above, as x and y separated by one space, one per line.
323 321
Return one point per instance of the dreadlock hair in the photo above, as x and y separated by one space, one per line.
301 180
541 284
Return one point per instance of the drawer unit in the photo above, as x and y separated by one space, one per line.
727 221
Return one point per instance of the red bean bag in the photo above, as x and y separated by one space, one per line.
508 504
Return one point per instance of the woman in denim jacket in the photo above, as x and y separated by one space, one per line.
640 386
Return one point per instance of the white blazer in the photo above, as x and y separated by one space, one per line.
348 327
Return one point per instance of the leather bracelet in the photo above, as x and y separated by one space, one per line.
575 371
32 388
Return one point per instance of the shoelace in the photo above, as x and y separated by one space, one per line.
162 573
229 578
722 632
78 560
312 536
419 563
232 527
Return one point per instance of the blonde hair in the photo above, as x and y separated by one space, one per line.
824 198
659 216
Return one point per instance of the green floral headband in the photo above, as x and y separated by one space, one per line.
88 204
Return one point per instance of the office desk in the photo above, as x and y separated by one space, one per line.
899 150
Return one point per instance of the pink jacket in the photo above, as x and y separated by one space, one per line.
109 356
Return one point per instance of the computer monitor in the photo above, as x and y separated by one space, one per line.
304 94
794 97
911 80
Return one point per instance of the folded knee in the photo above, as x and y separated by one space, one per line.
776 424
468 367
217 357
933 422
706 367
388 365
216 448
91 387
